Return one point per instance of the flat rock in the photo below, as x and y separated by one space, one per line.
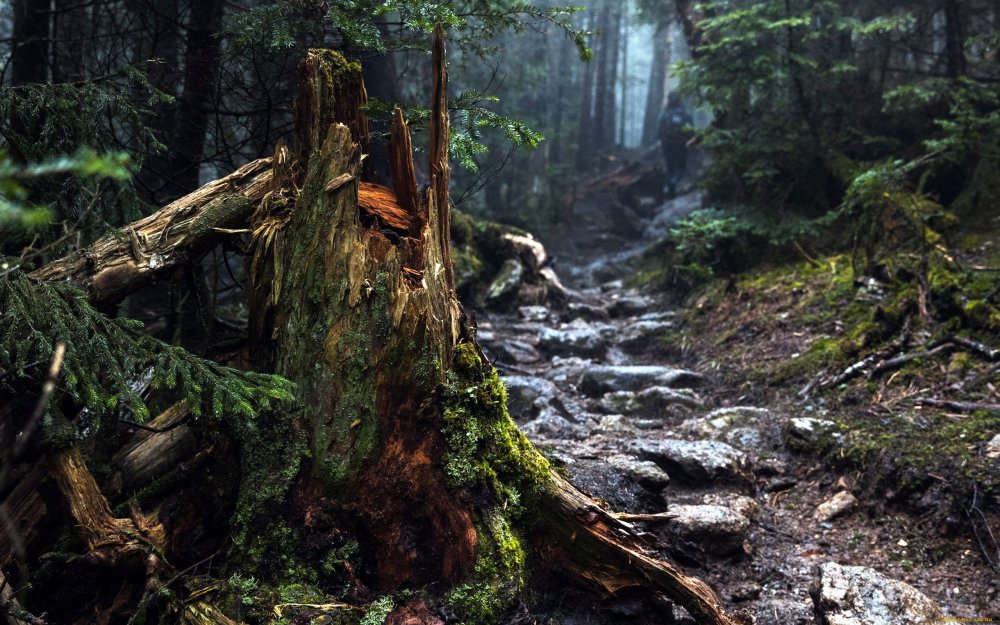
699 462
641 334
655 401
644 472
855 595
741 504
600 379
611 483
534 313
835 506
629 306
808 433
717 530
578 338
517 351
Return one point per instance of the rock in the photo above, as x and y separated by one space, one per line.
533 313
577 338
644 472
993 448
804 433
527 396
716 530
747 591
640 335
505 285
609 482
601 379
835 506
585 311
699 462
855 595
718 423
520 352
741 504
784 612
747 439
655 401
629 306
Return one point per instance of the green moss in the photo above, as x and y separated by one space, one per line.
378 610
485 447
982 315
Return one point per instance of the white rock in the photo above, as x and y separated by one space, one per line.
855 595
835 506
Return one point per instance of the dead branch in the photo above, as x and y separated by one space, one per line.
127 259
958 406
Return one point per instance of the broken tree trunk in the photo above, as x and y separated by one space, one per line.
407 422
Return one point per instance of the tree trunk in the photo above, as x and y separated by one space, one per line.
585 132
202 55
412 450
954 39
657 85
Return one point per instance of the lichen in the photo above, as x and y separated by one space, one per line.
220 212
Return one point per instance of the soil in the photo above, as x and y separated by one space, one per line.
742 343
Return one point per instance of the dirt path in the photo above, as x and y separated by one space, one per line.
732 471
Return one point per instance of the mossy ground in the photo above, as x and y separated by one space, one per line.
779 335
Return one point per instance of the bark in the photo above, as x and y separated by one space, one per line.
604 93
29 58
657 85
584 137
123 262
954 39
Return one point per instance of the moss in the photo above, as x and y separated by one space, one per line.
485 447
223 211
981 315
487 453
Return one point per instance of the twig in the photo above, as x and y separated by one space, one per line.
983 350
974 507
43 401
961 406
897 362
659 517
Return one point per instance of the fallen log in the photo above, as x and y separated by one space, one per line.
124 261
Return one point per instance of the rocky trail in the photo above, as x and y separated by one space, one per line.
716 475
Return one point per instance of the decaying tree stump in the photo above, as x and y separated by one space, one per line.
411 448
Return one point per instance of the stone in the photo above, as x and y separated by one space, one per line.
629 306
655 401
855 595
835 506
741 504
578 338
639 335
527 396
993 448
645 473
600 379
716 530
809 433
505 285
609 482
533 313
517 351
784 612
697 462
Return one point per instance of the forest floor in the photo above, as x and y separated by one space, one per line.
715 412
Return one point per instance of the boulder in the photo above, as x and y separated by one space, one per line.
855 595
601 379
644 472
716 530
806 433
578 338
527 396
698 462
655 401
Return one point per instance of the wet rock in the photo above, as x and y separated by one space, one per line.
513 350
585 311
577 338
835 506
855 595
716 530
698 462
528 396
601 379
533 313
784 612
993 447
606 481
804 433
747 439
747 591
655 401
721 421
505 285
629 306
643 472
741 504
641 334
552 425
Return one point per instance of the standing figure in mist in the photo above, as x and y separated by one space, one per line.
675 137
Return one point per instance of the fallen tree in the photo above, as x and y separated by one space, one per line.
398 472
